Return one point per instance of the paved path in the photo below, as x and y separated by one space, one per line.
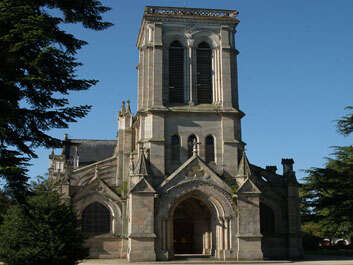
308 261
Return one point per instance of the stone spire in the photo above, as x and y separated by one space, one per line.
244 167
141 167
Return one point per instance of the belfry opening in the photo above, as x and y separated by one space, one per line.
192 228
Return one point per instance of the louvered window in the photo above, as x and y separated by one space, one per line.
204 73
191 141
210 149
176 73
175 148
96 219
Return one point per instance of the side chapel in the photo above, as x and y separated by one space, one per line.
177 180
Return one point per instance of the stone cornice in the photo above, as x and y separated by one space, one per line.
249 236
183 12
142 235
211 108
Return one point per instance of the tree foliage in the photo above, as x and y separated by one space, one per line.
37 72
43 231
5 203
345 124
327 194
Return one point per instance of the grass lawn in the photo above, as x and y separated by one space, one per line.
330 252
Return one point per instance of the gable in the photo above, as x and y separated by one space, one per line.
194 169
142 187
248 187
96 185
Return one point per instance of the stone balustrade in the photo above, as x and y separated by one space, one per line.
181 11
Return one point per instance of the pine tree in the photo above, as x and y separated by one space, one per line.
327 193
345 124
37 72
42 231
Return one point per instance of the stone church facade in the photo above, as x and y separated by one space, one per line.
176 180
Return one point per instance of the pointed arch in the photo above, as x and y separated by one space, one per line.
210 149
204 73
96 218
176 72
175 143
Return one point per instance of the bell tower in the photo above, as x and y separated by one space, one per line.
188 88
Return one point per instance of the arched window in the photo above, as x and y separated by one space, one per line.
210 149
176 73
267 220
96 219
204 73
191 140
175 148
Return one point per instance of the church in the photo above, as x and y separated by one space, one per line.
176 180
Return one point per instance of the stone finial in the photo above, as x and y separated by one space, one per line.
195 147
76 158
76 150
122 109
131 164
272 169
52 154
128 109
96 171
287 165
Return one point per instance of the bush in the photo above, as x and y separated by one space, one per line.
310 242
43 231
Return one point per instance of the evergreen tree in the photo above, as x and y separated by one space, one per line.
327 194
5 203
345 124
37 72
43 231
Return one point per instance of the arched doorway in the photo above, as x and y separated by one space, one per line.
192 228
203 204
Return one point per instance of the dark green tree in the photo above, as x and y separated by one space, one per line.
5 203
345 124
42 231
37 72
327 193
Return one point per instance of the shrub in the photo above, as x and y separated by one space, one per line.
42 231
310 242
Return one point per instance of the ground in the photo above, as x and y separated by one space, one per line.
313 260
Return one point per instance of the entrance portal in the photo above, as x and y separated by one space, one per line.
192 228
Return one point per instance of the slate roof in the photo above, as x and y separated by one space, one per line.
89 151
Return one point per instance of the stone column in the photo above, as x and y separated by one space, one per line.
249 236
141 236
190 70
157 100
226 68
214 76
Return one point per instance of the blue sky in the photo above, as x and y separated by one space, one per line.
295 76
